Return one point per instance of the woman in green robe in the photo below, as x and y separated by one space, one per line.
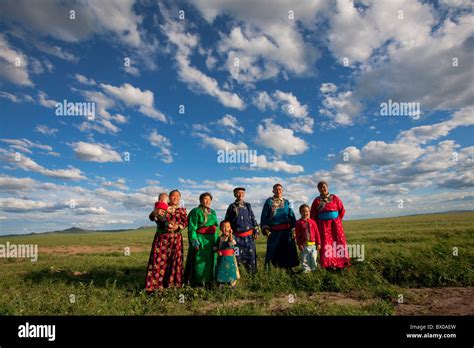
203 233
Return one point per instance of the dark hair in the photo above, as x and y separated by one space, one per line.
223 222
303 206
201 197
321 183
276 185
173 191
239 189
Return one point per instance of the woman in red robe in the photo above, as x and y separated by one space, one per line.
328 211
165 264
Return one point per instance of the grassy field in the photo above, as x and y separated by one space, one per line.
89 274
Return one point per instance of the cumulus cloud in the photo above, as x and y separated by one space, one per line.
13 64
266 40
278 165
164 145
289 105
281 140
230 123
185 44
54 18
91 152
84 80
221 144
44 101
133 96
44 129
27 164
424 134
342 108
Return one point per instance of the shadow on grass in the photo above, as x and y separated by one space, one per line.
129 278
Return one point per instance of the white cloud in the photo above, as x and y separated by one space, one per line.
13 64
343 108
55 50
281 140
16 205
90 152
438 54
231 123
221 144
263 101
265 37
185 44
52 18
289 105
26 163
355 32
278 165
163 143
44 129
382 153
8 183
25 145
119 183
84 80
44 101
133 96
424 134
19 98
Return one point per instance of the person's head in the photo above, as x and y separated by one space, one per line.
304 211
205 199
175 197
323 188
278 190
239 193
225 228
163 197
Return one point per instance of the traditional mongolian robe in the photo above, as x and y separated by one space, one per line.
226 268
307 236
203 233
281 247
244 226
165 264
328 214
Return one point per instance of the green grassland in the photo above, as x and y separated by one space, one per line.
400 253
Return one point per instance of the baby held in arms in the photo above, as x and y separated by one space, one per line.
160 213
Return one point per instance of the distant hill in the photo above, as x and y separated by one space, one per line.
73 230
81 230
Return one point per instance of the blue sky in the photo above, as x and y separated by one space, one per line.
299 83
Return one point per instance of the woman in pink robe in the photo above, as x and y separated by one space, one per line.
328 211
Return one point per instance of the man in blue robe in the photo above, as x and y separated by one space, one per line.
245 229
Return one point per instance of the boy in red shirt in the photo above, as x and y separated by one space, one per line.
308 240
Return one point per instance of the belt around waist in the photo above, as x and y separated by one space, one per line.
328 215
207 230
226 252
244 233
280 227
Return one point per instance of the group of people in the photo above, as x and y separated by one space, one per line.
216 250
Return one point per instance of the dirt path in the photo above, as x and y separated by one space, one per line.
437 301
424 301
88 249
